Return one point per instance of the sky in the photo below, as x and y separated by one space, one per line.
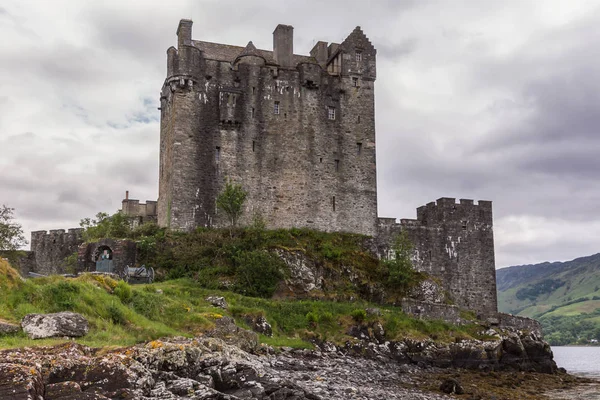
476 99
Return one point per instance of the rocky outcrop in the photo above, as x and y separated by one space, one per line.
7 328
212 368
200 369
70 324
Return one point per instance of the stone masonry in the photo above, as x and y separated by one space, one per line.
297 132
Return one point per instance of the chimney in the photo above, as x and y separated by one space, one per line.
283 45
319 52
127 195
184 32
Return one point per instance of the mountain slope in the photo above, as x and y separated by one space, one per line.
564 296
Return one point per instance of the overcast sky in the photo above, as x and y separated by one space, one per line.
495 100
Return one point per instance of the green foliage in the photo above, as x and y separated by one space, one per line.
257 273
11 233
400 272
116 226
123 291
70 263
231 201
359 315
532 291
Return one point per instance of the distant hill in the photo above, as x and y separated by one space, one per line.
564 296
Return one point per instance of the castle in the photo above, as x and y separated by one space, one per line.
298 133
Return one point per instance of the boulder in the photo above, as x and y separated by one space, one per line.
451 386
39 326
230 333
8 328
217 301
259 324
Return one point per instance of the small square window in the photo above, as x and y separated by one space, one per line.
276 108
331 113
358 56
355 82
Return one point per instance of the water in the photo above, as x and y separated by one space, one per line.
581 361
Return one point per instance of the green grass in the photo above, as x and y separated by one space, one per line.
121 315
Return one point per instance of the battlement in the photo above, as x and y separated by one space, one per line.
36 235
448 210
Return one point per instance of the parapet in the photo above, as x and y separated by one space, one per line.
447 209
38 237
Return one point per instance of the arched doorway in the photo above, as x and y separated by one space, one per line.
103 256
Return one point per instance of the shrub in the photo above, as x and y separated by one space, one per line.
116 314
257 273
359 315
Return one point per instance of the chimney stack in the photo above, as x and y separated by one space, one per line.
127 195
283 45
184 33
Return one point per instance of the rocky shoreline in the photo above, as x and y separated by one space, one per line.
232 365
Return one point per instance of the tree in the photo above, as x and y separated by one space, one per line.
231 201
401 274
116 226
11 233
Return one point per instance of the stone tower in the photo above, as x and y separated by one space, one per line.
297 132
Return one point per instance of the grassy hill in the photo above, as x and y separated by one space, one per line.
123 314
564 296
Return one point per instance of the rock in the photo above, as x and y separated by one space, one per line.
61 390
428 291
373 311
217 301
228 331
39 326
304 275
8 328
20 382
452 386
259 324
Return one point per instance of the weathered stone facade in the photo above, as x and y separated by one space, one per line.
297 132
51 248
139 213
454 242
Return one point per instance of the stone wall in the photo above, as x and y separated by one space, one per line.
425 310
51 248
453 242
266 125
521 323
124 253
22 261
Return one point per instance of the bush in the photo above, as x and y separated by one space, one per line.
116 314
257 273
359 315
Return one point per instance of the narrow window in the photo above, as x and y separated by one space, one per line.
333 203
464 225
218 154
253 89
276 108
358 148
284 115
337 165
331 113
321 159
252 112
358 56
234 100
355 82
229 99
253 146
358 120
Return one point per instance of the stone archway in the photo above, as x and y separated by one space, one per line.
103 257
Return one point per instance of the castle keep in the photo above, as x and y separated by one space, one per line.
298 133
